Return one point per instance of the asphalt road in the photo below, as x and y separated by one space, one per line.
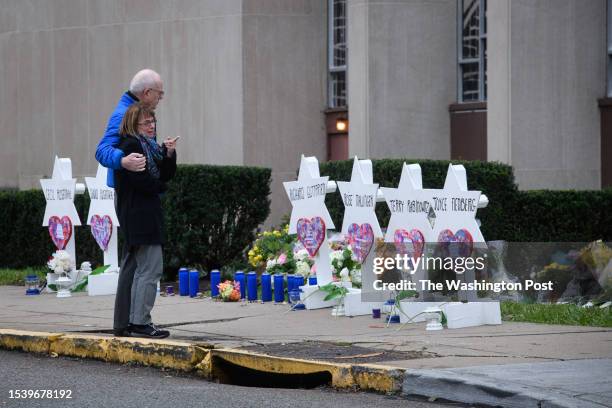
100 384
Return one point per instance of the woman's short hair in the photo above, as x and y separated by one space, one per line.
129 124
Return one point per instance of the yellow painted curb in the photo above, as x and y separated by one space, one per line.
201 359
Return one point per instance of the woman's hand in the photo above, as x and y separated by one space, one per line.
171 145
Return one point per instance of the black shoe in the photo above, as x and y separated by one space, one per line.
124 332
148 331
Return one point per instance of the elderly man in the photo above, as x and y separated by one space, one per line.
147 88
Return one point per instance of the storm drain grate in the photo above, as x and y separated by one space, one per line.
229 373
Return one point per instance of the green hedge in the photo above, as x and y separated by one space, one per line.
211 215
512 215
561 216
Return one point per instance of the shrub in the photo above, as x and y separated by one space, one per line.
212 213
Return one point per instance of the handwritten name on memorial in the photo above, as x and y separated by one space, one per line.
457 204
301 193
102 194
58 194
409 206
358 200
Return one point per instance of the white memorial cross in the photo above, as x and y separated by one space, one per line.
360 224
455 211
408 225
307 196
59 192
101 211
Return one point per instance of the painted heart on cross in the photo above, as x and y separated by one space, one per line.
459 244
361 238
60 230
311 233
409 243
102 230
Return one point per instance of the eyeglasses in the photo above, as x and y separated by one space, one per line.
148 122
159 91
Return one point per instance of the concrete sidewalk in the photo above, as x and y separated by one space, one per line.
492 359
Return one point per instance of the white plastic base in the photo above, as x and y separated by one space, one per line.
472 314
312 297
458 314
103 284
353 306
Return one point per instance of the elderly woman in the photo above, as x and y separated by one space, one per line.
140 215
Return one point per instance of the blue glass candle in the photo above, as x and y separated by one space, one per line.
194 282
31 283
266 287
241 279
299 281
215 280
279 288
290 283
252 286
312 281
183 275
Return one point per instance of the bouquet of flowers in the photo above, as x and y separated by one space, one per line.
303 263
276 246
281 264
344 265
229 291
60 262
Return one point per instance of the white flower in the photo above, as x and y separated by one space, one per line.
60 262
338 257
302 268
356 276
271 264
344 274
301 255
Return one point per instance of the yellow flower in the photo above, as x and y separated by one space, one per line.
277 233
251 252
255 249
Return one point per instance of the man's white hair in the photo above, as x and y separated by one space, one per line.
146 78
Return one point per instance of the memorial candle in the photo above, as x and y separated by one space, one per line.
279 288
183 276
252 286
266 287
215 280
194 282
241 279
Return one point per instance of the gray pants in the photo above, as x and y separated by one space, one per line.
141 269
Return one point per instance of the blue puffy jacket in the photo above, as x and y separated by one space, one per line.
107 153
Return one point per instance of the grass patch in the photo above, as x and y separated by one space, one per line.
17 276
556 314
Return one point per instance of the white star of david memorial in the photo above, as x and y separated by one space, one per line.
408 204
307 196
59 193
103 204
455 209
359 197
408 225
455 206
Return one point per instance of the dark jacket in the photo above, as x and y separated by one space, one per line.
138 198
